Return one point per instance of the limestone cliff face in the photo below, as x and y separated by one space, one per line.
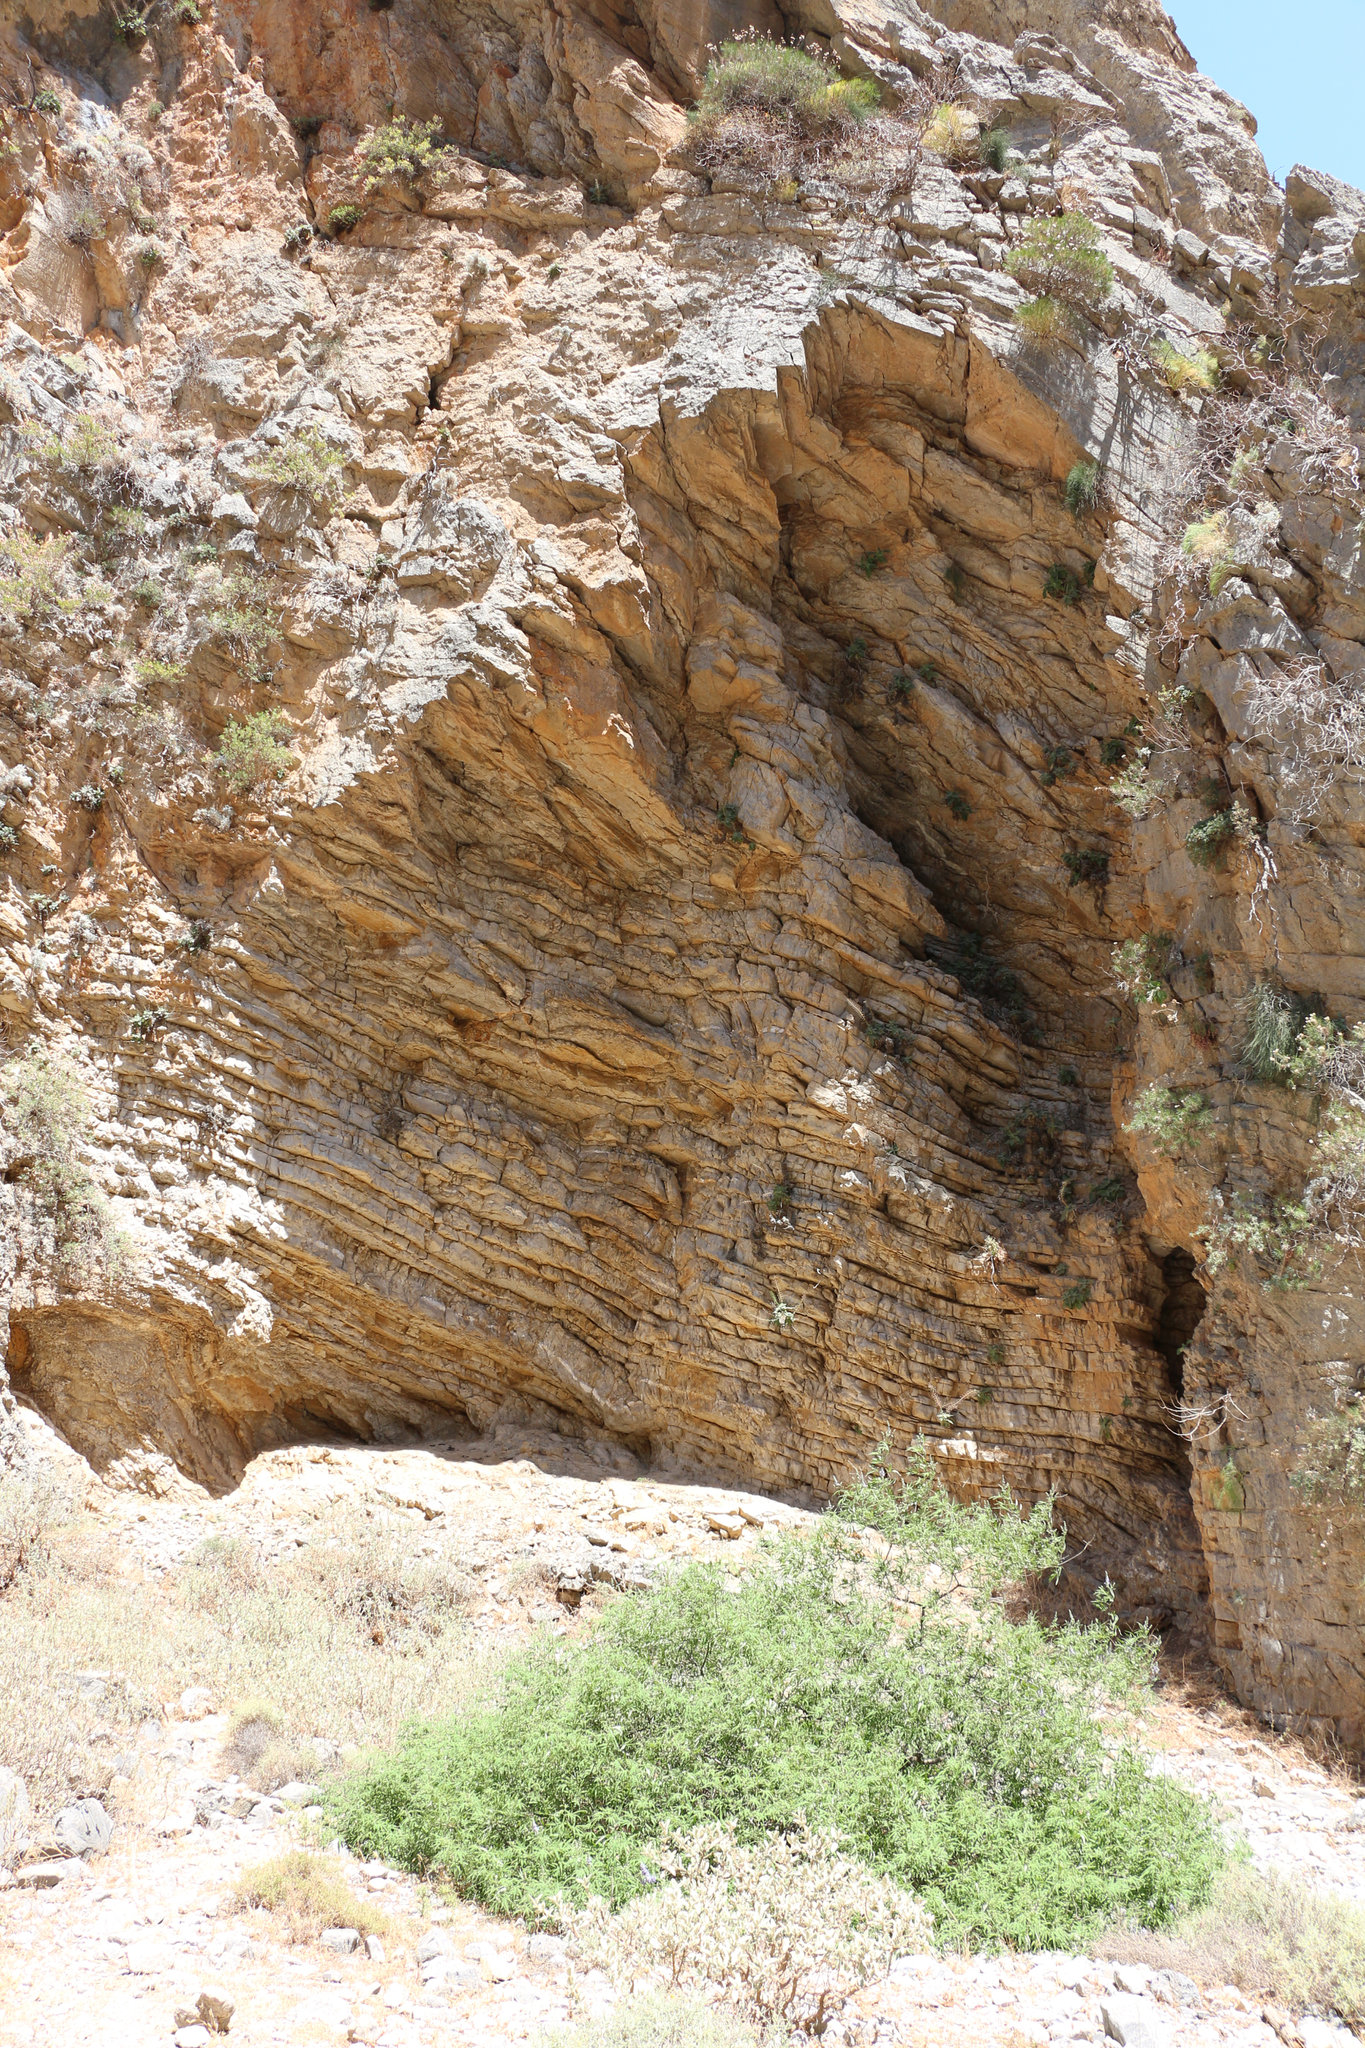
669 994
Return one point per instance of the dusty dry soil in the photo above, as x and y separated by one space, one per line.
118 1949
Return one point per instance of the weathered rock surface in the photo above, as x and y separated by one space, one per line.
659 1001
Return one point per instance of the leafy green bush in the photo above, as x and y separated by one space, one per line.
995 148
31 570
45 101
1061 258
1206 842
837 1683
1044 320
307 1893
303 462
1140 967
399 149
45 1106
954 134
1135 789
1062 583
773 109
241 612
1090 864
1171 1121
254 750
342 217
1270 1019
1082 487
1196 372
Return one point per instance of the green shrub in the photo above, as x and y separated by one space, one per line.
1270 1020
958 804
241 612
342 217
31 570
1140 966
1082 487
307 1893
187 13
772 109
45 101
871 560
399 149
954 134
1172 1121
150 668
1135 789
1113 752
1063 584
149 257
304 462
254 751
1044 320
89 797
1061 258
835 1683
1078 1294
1090 864
46 1107
1206 842
995 148
9 838
1197 371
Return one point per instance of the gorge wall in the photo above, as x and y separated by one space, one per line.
666 991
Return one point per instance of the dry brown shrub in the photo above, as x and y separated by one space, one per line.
1270 1936
305 1893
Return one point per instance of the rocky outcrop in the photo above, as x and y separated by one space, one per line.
669 994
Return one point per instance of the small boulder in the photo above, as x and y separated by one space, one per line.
84 1829
215 2010
41 1877
1134 2022
341 1940
433 1945
296 1793
374 1948
725 1522
195 2036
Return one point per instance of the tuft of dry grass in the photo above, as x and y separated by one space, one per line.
342 1642
661 2021
1270 1936
306 1893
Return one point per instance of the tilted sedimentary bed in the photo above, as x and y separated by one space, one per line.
664 990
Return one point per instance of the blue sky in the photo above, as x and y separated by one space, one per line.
1300 67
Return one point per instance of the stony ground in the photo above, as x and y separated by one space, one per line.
119 1949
